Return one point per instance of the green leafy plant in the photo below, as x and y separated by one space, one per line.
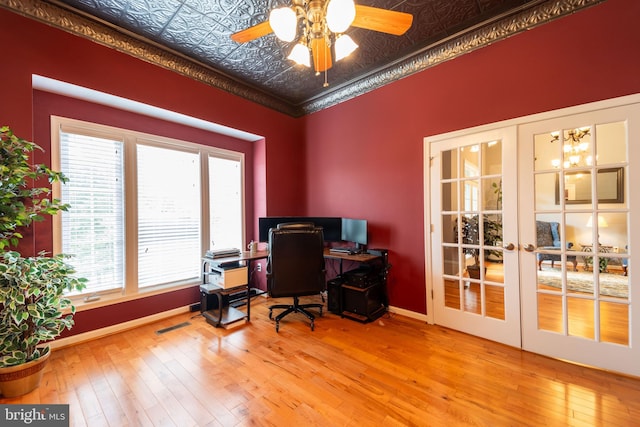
492 235
33 304
32 300
22 200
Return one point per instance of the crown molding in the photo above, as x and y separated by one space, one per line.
56 15
455 46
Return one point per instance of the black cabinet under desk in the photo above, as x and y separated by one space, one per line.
360 294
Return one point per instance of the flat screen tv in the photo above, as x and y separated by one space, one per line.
331 226
354 230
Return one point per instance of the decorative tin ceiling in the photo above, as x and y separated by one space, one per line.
195 35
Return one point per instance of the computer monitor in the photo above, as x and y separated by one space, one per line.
331 226
354 230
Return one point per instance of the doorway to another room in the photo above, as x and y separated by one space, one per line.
531 238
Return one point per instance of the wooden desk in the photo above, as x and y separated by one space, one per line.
227 315
361 258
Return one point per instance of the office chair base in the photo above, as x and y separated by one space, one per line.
294 308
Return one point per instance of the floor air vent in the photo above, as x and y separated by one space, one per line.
171 328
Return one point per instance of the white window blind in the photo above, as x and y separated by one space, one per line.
168 215
93 228
225 203
138 202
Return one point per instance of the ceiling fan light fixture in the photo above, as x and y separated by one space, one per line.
300 55
284 23
340 15
344 46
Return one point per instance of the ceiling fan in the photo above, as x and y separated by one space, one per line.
322 24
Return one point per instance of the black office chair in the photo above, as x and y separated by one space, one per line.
295 267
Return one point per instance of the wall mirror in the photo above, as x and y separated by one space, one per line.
577 186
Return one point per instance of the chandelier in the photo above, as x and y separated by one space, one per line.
574 148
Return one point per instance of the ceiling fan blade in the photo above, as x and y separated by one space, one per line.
383 20
321 54
252 33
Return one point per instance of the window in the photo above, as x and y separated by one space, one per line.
168 215
93 229
225 183
139 203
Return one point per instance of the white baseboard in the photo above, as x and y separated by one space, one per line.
407 313
114 329
109 330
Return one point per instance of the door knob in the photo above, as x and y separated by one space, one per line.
510 247
529 248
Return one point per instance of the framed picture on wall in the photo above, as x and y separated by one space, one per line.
577 186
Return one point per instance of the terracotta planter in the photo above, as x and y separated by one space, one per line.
21 379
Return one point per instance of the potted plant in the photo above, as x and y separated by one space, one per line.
492 236
32 302
470 236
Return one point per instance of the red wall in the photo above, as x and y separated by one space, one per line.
33 48
365 156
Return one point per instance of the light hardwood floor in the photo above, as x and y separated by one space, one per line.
391 372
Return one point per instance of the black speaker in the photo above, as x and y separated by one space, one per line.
334 295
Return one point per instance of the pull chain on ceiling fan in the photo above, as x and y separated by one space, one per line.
323 24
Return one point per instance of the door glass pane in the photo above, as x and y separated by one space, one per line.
580 314
611 143
470 157
492 158
473 298
610 186
550 312
495 301
614 318
492 194
577 189
577 147
611 279
449 196
451 261
492 232
577 232
544 196
449 164
547 151
452 293
449 229
470 195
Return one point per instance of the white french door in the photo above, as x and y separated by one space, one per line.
473 211
544 208
578 303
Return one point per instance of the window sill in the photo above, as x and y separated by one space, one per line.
110 298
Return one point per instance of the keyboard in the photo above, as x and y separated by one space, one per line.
344 250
